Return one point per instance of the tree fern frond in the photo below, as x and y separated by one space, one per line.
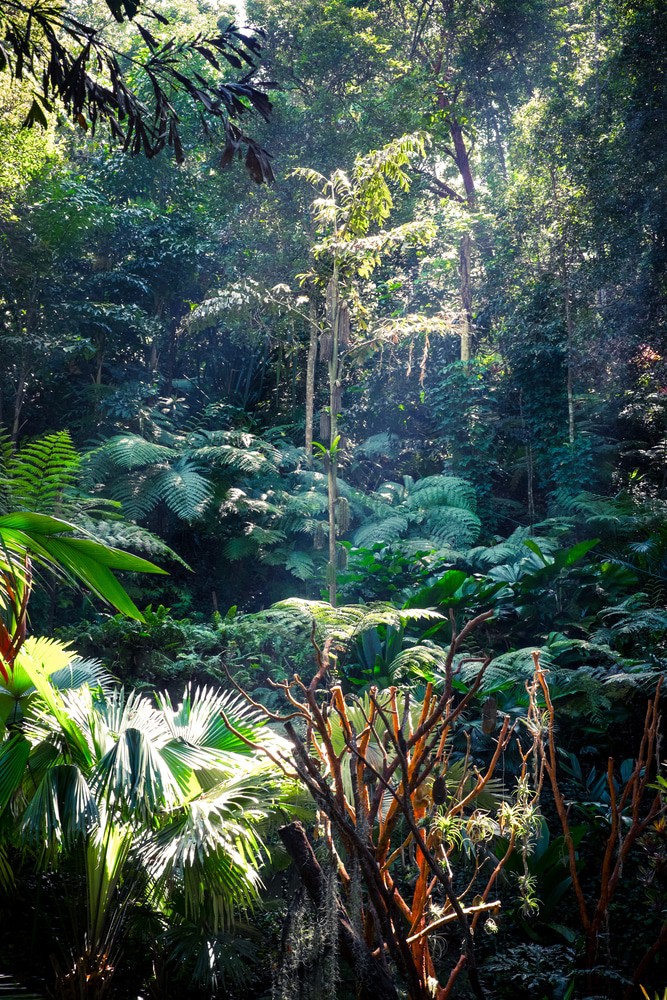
391 493
505 671
384 445
237 459
453 526
304 504
137 494
240 547
437 491
125 535
130 451
429 659
183 489
507 551
387 530
344 624
301 565
264 536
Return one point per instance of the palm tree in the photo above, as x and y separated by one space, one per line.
161 803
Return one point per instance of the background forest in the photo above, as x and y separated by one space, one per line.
333 534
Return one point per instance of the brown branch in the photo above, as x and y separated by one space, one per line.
257 705
438 186
449 918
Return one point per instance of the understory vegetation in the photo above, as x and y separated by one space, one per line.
333 521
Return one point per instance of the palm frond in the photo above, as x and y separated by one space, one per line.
198 719
211 849
61 811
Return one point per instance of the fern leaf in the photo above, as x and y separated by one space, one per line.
438 491
183 489
385 445
301 565
39 473
453 526
130 451
388 530
120 534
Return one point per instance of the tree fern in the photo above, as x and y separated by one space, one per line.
346 623
301 565
438 510
385 445
388 530
439 491
121 534
507 551
129 451
631 621
183 488
36 477
140 473
452 526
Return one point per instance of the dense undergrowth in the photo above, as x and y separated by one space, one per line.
333 526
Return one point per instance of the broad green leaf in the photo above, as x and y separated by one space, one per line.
13 759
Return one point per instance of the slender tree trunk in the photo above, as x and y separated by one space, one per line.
465 258
462 159
18 400
567 310
530 465
310 382
569 326
332 461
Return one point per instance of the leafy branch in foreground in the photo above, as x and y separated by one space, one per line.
72 63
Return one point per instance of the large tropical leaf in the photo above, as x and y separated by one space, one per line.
59 663
48 540
61 811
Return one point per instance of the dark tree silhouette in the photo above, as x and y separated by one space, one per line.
73 65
